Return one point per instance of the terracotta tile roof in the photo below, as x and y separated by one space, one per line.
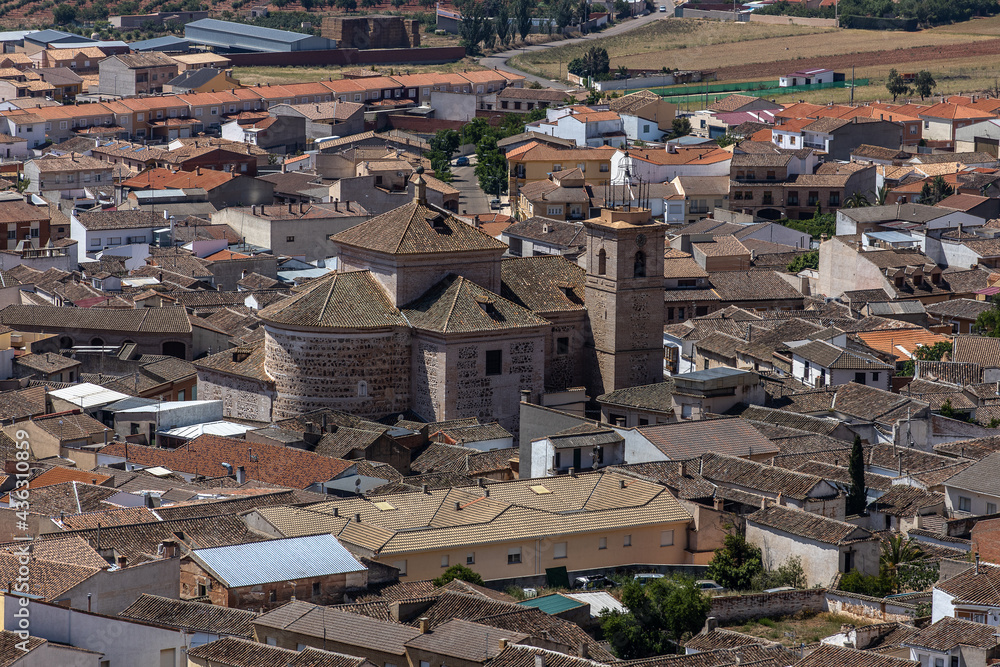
901 343
49 579
686 439
759 477
720 638
238 652
970 587
837 656
809 525
343 627
415 229
139 543
113 516
980 350
543 284
905 500
950 632
457 305
834 357
205 455
59 475
191 616
337 300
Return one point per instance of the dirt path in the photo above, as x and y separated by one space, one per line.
777 68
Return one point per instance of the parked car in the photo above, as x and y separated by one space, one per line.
710 586
663 8
462 161
647 578
495 203
592 582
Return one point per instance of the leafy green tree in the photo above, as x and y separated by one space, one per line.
622 9
659 615
935 191
819 224
680 127
563 12
881 195
726 140
933 352
459 572
736 564
502 26
857 497
988 322
857 200
897 551
790 573
522 17
947 410
895 85
63 14
877 586
924 84
475 28
806 260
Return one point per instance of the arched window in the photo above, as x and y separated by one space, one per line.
362 389
602 263
97 342
639 271
65 343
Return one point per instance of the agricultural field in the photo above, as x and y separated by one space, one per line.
958 55
251 76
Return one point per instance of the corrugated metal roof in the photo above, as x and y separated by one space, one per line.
266 562
221 427
598 601
555 603
247 30
87 395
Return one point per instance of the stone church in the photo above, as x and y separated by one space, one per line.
425 314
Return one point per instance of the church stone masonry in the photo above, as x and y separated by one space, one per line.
426 315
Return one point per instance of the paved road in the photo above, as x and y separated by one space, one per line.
471 199
499 60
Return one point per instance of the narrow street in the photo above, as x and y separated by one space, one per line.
471 200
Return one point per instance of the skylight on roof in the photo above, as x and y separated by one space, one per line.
540 490
384 506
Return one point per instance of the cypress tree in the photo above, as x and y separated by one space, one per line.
857 497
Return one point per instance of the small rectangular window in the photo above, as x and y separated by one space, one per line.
470 558
401 566
964 504
991 508
667 538
444 561
316 589
289 239
602 543
627 542
494 362
271 641
514 556
562 345
559 550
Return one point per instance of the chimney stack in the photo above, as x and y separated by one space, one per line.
425 625
539 660
357 518
241 475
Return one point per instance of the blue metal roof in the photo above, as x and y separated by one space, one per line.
244 29
286 559
158 43
554 603
48 36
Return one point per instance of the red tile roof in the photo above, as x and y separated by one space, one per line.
274 464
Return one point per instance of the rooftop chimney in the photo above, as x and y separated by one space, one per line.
539 660
357 518
424 488
425 625
420 187
458 506
503 644
241 475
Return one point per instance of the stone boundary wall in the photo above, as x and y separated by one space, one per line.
730 608
878 609
793 20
